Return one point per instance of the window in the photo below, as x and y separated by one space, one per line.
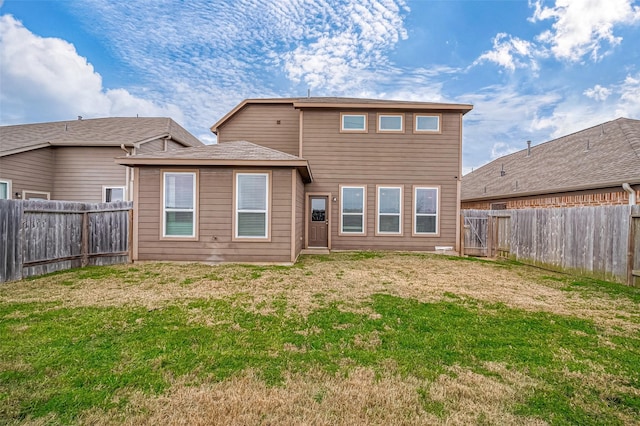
352 200
5 189
390 123
389 210
111 194
179 204
353 123
36 195
425 210
427 123
252 205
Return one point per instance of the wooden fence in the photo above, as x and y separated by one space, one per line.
39 237
599 241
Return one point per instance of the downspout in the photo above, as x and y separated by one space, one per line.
632 193
127 175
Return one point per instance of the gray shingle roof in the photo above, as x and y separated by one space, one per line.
112 131
232 151
238 153
598 157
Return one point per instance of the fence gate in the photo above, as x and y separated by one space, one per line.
500 244
475 236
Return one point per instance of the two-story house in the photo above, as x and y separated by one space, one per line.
73 160
305 173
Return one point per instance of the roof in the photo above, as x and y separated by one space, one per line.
239 153
113 131
345 103
602 156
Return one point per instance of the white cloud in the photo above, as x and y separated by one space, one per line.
500 149
46 78
509 52
583 27
597 92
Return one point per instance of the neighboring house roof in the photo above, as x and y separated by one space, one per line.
239 153
113 131
346 103
602 156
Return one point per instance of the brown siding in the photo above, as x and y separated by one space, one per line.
215 221
258 123
152 146
300 217
372 159
602 197
31 170
82 171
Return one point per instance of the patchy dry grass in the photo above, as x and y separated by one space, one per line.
349 338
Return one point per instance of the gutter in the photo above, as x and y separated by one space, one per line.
632 193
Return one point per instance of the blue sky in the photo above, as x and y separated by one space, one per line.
534 70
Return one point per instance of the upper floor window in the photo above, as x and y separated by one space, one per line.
179 204
353 123
425 210
352 209
390 123
252 205
427 123
5 189
111 194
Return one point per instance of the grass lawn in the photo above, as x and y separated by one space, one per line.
348 338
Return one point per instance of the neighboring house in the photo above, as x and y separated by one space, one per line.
308 173
73 160
595 166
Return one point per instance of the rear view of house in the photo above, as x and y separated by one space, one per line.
310 173
73 160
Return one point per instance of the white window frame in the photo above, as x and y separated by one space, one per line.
417 130
107 187
398 130
353 114
363 214
266 210
193 209
9 188
47 195
416 214
378 213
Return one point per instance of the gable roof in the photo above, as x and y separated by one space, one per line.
345 103
112 131
602 156
239 153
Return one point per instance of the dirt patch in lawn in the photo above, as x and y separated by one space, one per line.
317 398
316 282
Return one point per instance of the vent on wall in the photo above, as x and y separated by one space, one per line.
498 206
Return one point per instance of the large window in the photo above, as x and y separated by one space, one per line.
353 123
352 209
111 194
5 189
390 123
252 205
425 210
389 210
427 123
179 204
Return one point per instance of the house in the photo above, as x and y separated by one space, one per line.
74 160
290 174
596 166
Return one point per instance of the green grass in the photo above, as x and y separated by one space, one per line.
62 360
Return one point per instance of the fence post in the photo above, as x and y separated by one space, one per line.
631 248
130 236
85 239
